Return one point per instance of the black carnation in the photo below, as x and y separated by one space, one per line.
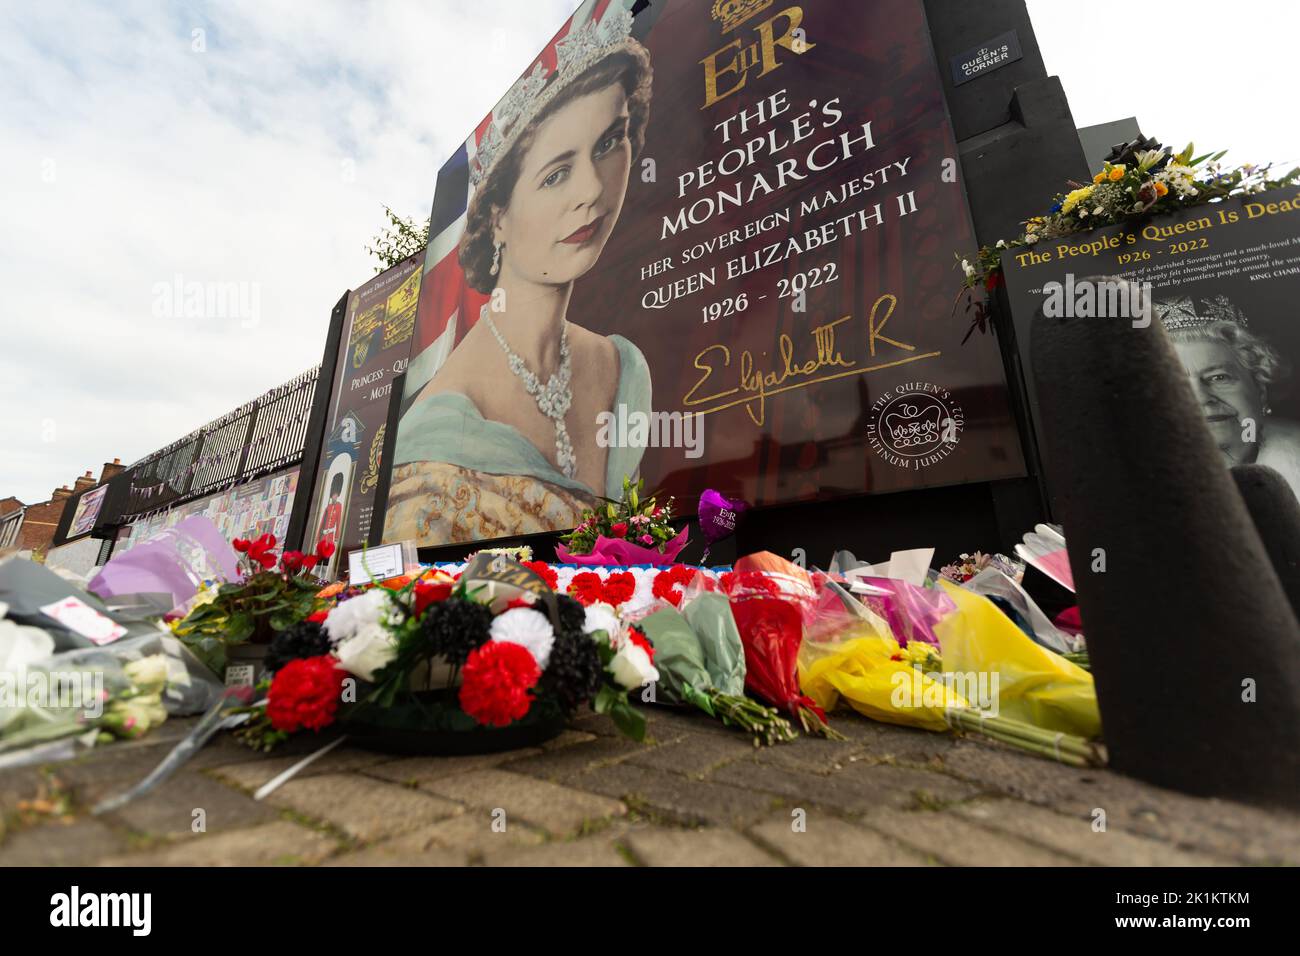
573 616
304 639
454 629
574 673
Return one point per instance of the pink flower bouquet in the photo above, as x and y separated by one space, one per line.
632 530
620 551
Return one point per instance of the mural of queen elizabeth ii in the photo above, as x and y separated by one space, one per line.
501 439
1235 375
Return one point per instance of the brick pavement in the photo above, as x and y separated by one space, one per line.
696 793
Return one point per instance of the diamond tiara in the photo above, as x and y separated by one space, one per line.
1185 312
583 46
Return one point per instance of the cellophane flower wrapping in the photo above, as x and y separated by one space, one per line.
620 551
679 657
910 611
771 599
708 612
1035 685
867 670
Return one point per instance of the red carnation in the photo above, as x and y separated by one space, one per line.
587 588
545 572
619 586
497 681
619 530
305 694
667 583
426 594
518 602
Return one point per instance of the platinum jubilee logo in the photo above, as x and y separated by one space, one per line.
915 425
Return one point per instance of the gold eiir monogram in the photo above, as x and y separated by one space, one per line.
760 52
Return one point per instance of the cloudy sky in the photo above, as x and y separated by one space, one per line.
255 142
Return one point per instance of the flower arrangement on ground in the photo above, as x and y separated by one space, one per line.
495 649
274 594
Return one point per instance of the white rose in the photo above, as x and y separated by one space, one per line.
632 668
366 651
529 629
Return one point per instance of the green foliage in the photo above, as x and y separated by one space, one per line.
613 701
254 609
399 240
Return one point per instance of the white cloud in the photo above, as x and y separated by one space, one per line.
129 158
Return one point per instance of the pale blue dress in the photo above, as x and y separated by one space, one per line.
448 427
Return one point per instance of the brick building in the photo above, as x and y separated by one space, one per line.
40 521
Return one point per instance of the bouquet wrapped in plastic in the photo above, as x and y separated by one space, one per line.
985 675
702 663
770 599
122 690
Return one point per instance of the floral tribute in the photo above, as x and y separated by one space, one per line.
968 565
1138 179
632 530
274 594
442 654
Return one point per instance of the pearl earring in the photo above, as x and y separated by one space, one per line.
496 259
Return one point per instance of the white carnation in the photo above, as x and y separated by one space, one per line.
529 629
355 613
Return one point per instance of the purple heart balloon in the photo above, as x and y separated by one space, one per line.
718 516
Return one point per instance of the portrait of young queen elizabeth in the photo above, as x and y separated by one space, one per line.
1235 375
501 441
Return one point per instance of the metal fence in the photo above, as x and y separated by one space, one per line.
255 439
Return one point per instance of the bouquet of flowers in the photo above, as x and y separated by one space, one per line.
968 565
769 597
701 664
495 649
632 530
118 698
274 594
1138 178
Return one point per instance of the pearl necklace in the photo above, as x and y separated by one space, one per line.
553 399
